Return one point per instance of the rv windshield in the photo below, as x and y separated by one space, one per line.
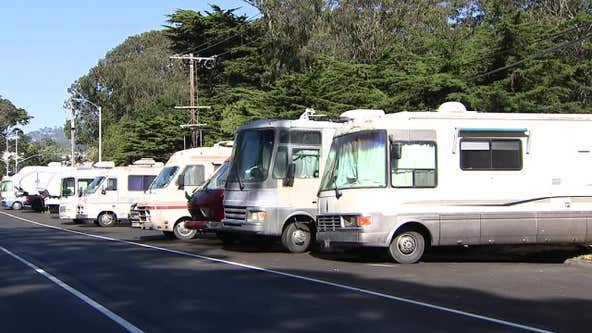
356 160
164 177
252 155
92 188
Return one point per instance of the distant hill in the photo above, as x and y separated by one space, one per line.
56 134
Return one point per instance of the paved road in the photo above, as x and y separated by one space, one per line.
127 279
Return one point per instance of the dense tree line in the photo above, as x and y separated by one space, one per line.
494 56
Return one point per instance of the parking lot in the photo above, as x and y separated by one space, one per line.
146 282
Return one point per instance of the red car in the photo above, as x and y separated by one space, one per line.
205 205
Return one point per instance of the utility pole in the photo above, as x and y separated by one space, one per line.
16 154
72 133
194 102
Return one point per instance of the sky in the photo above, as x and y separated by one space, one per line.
46 45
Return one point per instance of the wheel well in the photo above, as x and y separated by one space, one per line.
108 212
183 218
299 218
415 226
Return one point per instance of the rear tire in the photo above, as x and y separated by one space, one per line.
297 237
407 247
17 205
183 233
106 219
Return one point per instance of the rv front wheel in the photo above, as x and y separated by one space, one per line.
106 219
17 205
296 238
182 233
407 247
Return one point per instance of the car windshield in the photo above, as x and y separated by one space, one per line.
92 188
356 160
218 179
164 177
252 155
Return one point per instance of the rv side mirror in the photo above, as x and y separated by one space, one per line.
289 180
181 182
396 150
103 190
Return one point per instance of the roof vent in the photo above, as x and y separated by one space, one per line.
361 114
452 107
104 165
224 144
145 161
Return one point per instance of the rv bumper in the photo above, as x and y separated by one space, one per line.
352 237
242 226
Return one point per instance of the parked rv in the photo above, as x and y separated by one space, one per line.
408 180
108 198
31 185
206 203
74 185
164 207
273 179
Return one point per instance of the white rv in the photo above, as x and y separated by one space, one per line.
108 198
273 180
408 180
74 185
164 207
30 180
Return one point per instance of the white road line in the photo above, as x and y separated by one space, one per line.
122 322
299 277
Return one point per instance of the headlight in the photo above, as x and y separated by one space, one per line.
258 216
356 221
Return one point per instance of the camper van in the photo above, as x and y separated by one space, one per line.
408 180
73 186
30 181
273 179
164 207
108 198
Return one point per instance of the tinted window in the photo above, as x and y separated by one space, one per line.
139 182
490 154
111 184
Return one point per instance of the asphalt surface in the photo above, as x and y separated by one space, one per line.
152 284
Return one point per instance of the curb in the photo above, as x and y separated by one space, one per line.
578 263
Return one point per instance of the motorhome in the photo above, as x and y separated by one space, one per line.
408 180
74 185
107 200
274 175
30 180
164 207
206 203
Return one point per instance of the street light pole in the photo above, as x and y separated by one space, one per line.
98 107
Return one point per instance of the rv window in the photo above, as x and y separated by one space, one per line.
413 164
111 184
306 162
139 182
194 175
311 138
68 187
491 154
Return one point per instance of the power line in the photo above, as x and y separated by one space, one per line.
534 56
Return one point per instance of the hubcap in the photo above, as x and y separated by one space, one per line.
182 230
299 236
406 244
